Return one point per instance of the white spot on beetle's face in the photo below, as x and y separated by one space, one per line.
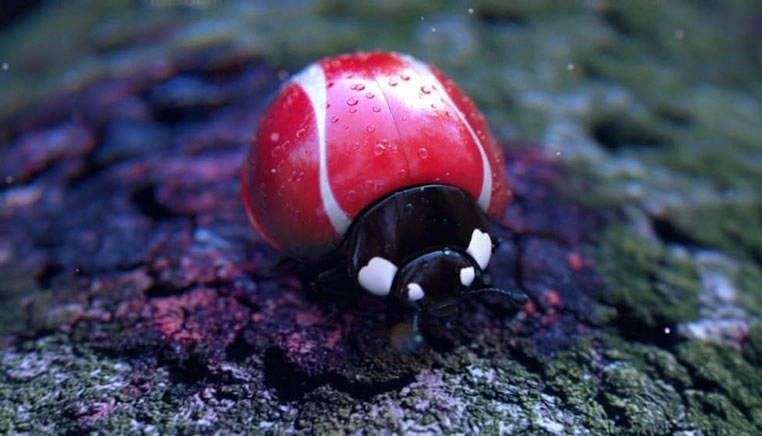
414 291
467 275
377 276
480 248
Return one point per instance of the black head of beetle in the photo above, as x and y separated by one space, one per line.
434 281
425 246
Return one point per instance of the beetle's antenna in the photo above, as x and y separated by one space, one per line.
518 297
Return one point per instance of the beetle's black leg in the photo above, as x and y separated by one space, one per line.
334 283
331 275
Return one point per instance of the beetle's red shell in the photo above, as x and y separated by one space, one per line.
349 130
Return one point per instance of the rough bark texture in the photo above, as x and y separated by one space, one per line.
136 297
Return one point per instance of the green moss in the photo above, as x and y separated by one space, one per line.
640 404
748 280
729 171
656 362
623 387
16 285
520 10
639 387
752 347
648 284
733 227
714 414
570 376
721 369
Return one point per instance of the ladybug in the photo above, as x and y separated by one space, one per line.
381 164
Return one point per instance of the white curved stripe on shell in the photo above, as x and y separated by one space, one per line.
486 193
467 275
480 248
377 276
312 81
414 291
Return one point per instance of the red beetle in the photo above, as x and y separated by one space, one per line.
380 161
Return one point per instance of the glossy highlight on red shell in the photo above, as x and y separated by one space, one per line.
349 130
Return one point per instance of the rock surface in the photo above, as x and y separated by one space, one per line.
138 298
